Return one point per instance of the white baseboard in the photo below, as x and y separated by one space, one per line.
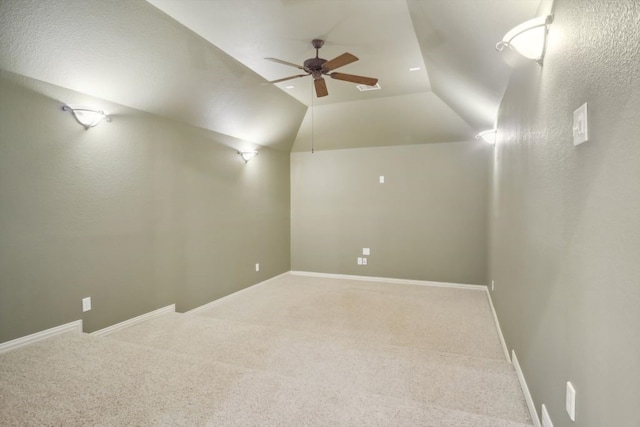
390 280
138 319
525 390
75 326
224 298
498 328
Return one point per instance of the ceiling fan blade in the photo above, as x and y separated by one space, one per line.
369 81
321 87
288 78
339 61
280 61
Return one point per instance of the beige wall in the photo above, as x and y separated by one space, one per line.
138 213
427 221
565 252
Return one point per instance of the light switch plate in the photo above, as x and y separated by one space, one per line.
580 125
86 304
571 401
381 179
366 251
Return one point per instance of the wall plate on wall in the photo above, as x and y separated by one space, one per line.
571 401
86 304
580 125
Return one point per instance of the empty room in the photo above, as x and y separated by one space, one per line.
320 213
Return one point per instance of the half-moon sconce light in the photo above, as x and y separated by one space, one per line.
488 136
526 41
87 117
247 155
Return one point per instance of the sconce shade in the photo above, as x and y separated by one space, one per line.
488 136
526 41
247 155
87 117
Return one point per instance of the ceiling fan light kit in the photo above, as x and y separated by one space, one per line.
319 67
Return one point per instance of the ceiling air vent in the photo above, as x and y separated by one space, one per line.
364 88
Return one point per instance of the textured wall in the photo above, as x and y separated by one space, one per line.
565 222
138 213
427 221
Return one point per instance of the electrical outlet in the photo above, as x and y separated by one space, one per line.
364 261
257 267
571 401
86 304
546 419
359 260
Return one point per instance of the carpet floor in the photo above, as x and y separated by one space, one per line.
294 351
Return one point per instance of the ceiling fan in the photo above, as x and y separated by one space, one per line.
319 67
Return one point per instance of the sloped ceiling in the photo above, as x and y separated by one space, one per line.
202 62
130 53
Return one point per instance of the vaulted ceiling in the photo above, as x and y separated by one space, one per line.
202 62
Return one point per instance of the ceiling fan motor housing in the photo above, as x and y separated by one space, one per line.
314 65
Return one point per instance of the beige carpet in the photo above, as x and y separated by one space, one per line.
295 351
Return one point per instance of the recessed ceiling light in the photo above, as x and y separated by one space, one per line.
414 69
289 87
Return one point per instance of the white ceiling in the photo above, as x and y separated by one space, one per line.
202 62
378 32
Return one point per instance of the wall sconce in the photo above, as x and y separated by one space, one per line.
87 117
247 155
526 41
488 136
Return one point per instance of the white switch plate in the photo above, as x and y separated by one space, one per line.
493 286
360 261
86 304
381 179
257 267
364 261
366 251
546 419
571 401
580 125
